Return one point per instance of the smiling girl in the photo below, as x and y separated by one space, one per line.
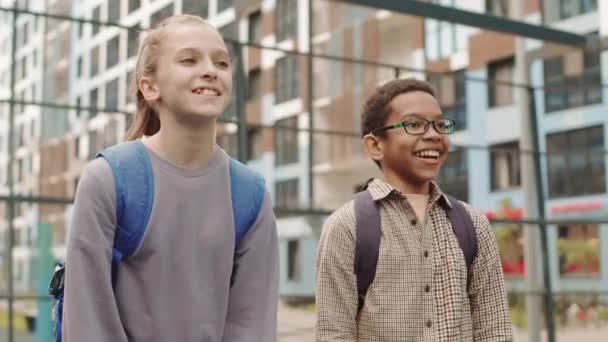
179 284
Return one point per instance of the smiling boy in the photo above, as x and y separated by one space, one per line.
423 289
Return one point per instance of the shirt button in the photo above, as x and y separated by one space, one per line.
414 222
426 254
429 323
427 288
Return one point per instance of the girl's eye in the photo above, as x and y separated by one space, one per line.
188 61
222 64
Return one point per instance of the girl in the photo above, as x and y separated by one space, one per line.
179 283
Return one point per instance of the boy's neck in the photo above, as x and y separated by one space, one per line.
185 147
405 186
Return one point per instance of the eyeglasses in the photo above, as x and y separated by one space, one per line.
419 126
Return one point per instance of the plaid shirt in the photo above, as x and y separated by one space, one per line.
420 289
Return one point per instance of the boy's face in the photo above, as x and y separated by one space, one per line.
416 159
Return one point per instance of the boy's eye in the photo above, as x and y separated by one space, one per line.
222 64
188 60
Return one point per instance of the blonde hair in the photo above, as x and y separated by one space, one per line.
146 121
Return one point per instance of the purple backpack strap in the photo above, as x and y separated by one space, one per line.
464 229
367 242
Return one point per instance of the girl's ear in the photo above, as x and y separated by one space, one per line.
148 89
373 147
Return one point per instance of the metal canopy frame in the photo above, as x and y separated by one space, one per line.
474 19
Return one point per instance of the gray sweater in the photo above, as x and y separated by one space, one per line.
176 286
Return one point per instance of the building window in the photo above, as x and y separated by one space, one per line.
92 144
501 94
79 67
578 250
499 8
113 11
286 79
453 177
93 102
255 84
160 15
286 141
94 62
255 27
572 80
572 8
255 143
442 39
293 260
96 17
286 22
132 41
287 193
112 52
112 95
196 7
77 147
451 92
504 166
135 4
223 5
575 162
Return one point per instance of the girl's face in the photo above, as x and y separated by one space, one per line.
193 78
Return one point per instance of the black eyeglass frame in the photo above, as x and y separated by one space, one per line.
428 123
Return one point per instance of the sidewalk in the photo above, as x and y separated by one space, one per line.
297 325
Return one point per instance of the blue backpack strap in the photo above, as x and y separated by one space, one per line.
134 185
247 190
464 229
367 246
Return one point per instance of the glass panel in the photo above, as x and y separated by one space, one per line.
579 250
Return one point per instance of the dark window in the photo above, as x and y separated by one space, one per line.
286 82
94 62
500 94
575 161
112 52
135 4
286 22
92 144
160 15
196 7
286 141
113 11
572 8
453 177
130 87
451 92
79 67
572 81
93 102
293 260
255 84
504 165
96 17
287 193
112 95
224 5
255 143
132 41
77 147
255 27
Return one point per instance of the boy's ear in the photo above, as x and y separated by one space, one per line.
373 147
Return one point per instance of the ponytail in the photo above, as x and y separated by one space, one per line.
146 121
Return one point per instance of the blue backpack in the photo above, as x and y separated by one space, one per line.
134 184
